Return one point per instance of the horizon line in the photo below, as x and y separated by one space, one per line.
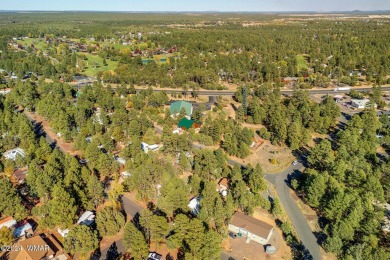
194 11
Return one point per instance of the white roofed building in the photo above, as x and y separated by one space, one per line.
87 218
362 103
12 154
146 147
8 222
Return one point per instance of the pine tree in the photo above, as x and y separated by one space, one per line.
6 237
134 241
10 203
94 189
109 221
62 202
81 240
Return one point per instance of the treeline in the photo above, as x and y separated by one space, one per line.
287 120
351 51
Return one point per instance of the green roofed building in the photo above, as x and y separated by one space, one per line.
186 124
177 106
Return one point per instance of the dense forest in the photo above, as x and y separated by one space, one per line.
210 57
343 183
106 124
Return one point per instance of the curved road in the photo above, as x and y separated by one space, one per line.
304 232
280 181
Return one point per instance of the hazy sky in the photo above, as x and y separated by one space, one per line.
196 5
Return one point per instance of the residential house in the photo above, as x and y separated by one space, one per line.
5 91
40 247
361 103
146 147
12 154
8 222
87 218
250 228
186 124
20 175
23 229
223 186
176 107
194 205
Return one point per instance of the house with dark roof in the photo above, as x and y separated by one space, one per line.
250 228
23 228
176 107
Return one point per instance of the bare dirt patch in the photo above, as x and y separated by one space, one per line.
64 146
239 249
314 137
272 158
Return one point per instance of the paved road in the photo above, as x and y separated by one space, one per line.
39 131
304 232
131 208
286 92
312 249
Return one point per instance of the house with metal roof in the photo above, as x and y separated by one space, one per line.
23 229
11 154
87 218
250 228
186 124
176 108
8 222
362 103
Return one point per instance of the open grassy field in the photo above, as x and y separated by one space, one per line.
94 64
40 44
301 63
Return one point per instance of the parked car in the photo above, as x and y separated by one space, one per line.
295 162
83 161
232 235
